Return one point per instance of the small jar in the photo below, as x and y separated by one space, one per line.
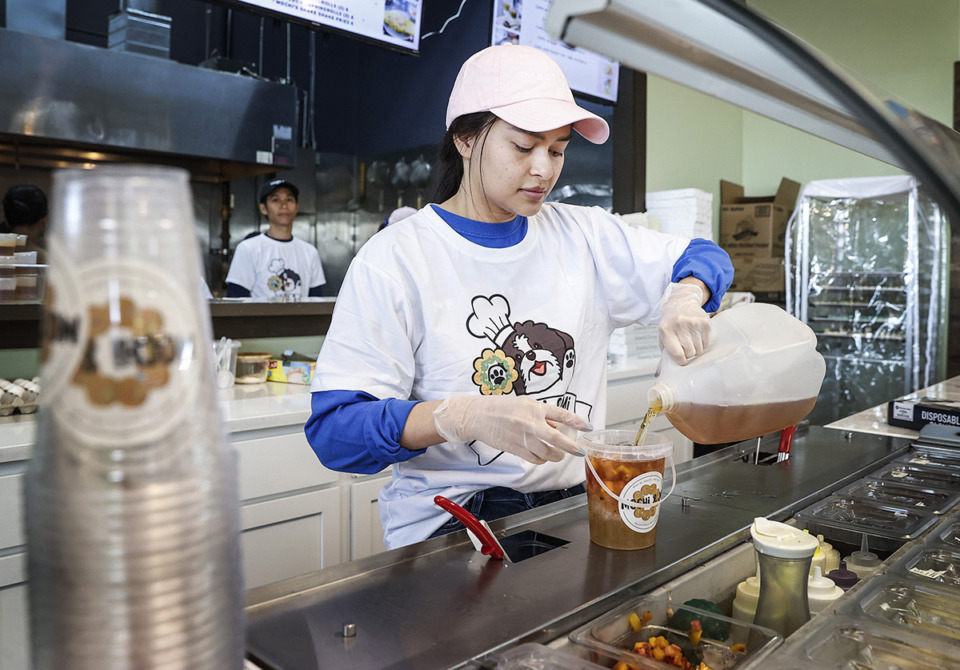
252 368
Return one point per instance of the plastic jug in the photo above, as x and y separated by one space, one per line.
785 554
760 373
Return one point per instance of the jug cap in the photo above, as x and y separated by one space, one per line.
773 538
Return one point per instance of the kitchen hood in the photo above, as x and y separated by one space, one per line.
726 50
69 104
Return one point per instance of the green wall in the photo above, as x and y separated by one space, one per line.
901 50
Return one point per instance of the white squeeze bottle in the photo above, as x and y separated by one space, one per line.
744 606
760 373
821 591
831 557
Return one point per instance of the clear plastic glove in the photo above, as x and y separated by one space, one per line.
520 426
684 326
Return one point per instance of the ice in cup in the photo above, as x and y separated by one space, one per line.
633 474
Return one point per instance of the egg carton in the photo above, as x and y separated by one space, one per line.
20 395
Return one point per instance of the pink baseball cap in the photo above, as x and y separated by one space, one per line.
524 87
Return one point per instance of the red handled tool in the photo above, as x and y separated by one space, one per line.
480 533
786 439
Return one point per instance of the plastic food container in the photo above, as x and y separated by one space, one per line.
846 642
931 563
923 607
887 492
921 475
27 283
931 457
948 533
847 519
612 637
252 368
536 657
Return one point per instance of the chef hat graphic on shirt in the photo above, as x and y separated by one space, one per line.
490 319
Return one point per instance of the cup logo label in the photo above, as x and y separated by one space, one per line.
125 344
644 492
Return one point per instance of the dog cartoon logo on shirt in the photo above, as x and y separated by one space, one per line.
282 280
527 358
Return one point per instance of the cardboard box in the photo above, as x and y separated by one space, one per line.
763 275
755 227
915 413
291 372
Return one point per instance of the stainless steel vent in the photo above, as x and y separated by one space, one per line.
68 103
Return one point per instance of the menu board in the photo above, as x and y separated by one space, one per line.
521 22
392 22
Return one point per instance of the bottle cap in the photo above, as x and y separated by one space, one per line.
819 586
780 540
864 556
819 539
749 587
842 577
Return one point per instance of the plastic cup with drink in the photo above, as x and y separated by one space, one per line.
624 486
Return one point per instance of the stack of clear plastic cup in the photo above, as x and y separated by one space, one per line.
131 497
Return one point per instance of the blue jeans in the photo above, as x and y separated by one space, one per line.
500 501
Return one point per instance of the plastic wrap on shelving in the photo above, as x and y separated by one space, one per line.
868 271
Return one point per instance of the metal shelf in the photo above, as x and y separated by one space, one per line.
884 305
864 361
865 336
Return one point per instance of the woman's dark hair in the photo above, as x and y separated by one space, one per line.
24 205
449 160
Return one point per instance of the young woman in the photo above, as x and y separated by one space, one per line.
467 342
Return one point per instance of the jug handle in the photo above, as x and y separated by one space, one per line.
624 501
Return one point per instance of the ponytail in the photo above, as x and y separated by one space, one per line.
449 160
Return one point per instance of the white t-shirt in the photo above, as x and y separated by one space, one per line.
272 269
423 313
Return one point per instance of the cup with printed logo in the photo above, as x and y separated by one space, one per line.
625 486
131 497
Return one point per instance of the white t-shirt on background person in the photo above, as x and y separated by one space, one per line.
276 269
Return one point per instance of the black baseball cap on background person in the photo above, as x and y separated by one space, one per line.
273 185
24 205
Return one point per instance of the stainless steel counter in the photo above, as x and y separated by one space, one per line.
439 603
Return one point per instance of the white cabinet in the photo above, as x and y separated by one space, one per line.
14 649
14 646
366 533
290 536
290 506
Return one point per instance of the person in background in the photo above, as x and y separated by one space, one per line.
25 213
469 343
399 214
276 265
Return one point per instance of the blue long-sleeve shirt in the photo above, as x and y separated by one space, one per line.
352 431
